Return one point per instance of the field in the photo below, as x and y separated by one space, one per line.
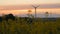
36 26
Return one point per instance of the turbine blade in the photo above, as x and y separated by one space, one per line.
33 6
38 5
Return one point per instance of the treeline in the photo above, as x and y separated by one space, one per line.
7 17
15 18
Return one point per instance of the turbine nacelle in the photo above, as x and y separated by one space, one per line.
35 6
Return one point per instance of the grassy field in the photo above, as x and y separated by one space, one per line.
22 26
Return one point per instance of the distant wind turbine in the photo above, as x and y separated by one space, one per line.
35 7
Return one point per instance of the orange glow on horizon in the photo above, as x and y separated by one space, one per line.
39 11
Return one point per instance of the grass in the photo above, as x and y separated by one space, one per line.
21 26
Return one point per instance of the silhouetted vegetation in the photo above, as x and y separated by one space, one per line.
1 19
10 24
9 16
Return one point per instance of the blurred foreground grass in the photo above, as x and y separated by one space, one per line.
36 27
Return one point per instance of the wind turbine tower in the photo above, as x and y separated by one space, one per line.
35 7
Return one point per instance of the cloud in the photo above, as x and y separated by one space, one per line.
21 7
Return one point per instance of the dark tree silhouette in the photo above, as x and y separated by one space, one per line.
9 16
1 19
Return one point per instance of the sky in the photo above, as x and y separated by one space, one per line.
23 2
22 6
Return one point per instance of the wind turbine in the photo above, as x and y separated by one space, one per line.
35 7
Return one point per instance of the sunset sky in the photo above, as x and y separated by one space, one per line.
20 7
23 2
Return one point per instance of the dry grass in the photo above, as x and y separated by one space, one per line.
22 27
